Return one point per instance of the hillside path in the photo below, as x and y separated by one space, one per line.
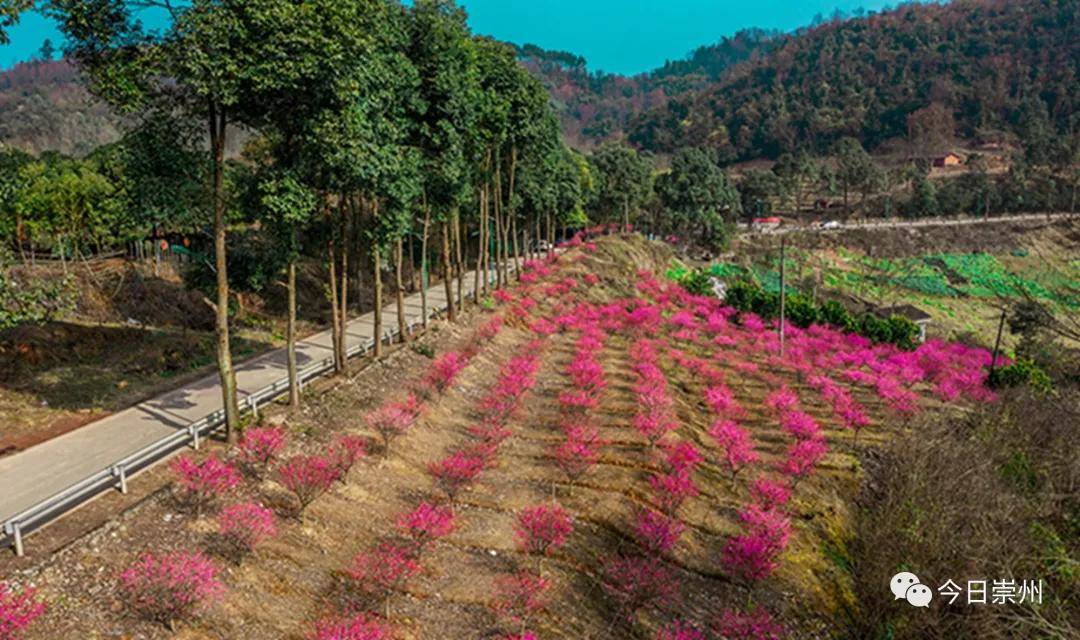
36 474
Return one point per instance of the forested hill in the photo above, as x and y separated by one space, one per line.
44 106
596 106
989 70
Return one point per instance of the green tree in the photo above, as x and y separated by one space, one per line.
10 10
854 168
623 181
442 52
697 197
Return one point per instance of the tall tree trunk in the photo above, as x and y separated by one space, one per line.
448 278
424 264
335 311
499 236
226 372
460 260
412 260
399 288
290 331
480 248
346 215
512 208
376 256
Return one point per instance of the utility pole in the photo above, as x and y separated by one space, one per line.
997 342
783 291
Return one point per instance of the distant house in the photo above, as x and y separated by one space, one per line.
911 312
949 160
765 224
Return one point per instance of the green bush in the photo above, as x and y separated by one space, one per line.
1021 372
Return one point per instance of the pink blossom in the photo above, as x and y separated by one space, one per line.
444 370
681 456
519 596
769 494
245 526
656 532
346 451
203 482
384 569
736 443
679 631
307 477
359 627
260 446
672 489
170 587
394 419
635 583
748 625
782 400
426 523
543 528
455 472
18 610
802 457
800 425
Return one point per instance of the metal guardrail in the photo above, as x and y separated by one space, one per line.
116 475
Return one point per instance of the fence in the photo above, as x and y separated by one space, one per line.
117 474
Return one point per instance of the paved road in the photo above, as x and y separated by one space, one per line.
46 469
924 222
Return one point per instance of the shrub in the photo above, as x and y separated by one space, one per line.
307 477
769 494
393 419
244 526
455 472
578 453
800 425
18 610
543 528
635 583
357 628
444 370
381 571
750 557
679 631
748 625
426 523
672 489
260 446
802 457
736 444
204 482
170 587
519 596
656 532
345 452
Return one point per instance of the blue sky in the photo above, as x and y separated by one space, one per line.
620 36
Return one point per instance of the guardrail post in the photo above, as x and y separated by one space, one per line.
121 473
254 406
194 433
16 531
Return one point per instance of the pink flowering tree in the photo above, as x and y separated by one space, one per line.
243 527
359 627
577 454
672 489
802 458
393 419
656 532
520 596
171 587
201 483
679 631
18 610
634 583
735 444
380 572
769 494
455 472
754 554
307 477
755 624
425 524
542 529
345 452
259 447
444 370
